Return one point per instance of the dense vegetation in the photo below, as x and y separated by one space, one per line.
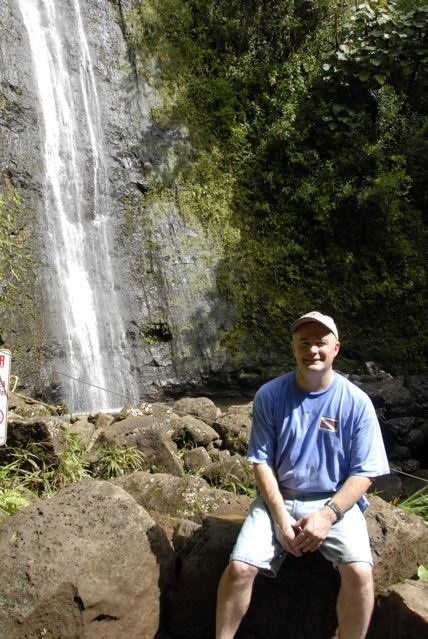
308 125
12 254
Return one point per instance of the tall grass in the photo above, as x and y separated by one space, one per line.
115 460
27 477
417 503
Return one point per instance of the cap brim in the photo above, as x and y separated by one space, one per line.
308 320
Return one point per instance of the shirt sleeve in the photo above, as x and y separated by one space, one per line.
368 455
262 443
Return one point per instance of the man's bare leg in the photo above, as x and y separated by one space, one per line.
233 597
356 599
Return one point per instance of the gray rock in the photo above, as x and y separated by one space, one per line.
196 459
165 266
152 436
90 556
201 407
186 497
194 431
233 473
234 428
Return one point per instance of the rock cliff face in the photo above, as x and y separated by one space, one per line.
163 286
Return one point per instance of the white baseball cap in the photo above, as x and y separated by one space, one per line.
315 316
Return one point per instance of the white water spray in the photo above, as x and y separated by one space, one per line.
82 294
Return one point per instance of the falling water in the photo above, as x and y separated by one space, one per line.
83 297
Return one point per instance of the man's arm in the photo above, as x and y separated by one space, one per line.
350 492
284 524
315 526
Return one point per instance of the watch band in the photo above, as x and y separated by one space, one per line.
335 508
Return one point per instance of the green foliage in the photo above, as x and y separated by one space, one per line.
234 484
422 573
384 42
12 258
13 499
21 478
417 503
308 123
27 477
27 470
73 465
115 460
30 470
157 332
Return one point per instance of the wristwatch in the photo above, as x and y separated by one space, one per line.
335 508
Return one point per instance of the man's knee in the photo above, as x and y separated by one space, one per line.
357 574
239 571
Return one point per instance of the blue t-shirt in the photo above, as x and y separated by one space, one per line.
315 441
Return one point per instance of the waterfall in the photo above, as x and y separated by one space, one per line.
83 298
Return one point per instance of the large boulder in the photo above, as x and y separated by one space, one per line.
277 604
399 542
233 473
196 459
391 396
186 497
402 612
89 563
44 436
58 614
200 407
192 431
306 588
152 435
234 427
418 389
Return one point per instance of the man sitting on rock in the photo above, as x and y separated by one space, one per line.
315 445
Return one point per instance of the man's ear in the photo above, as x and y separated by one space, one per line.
337 347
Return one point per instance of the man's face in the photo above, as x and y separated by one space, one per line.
314 347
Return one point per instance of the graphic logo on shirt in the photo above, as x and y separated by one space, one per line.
326 423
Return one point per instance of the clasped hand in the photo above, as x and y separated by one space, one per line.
305 534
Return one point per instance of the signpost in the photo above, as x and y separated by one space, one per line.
5 359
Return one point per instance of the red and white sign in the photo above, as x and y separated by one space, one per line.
5 359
